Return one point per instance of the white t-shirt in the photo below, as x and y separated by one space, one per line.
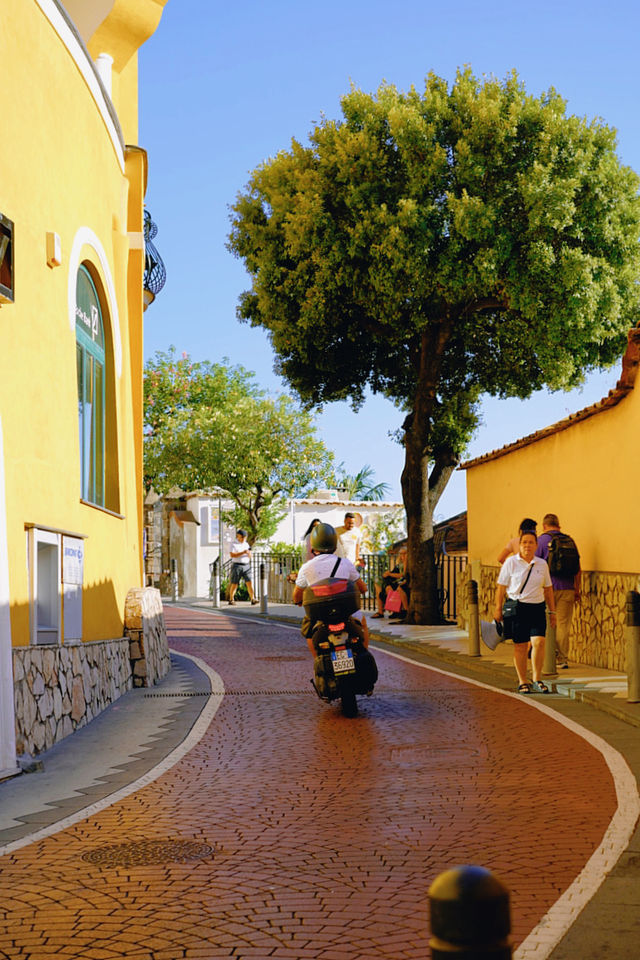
320 568
514 572
347 543
244 549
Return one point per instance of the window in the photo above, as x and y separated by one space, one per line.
90 365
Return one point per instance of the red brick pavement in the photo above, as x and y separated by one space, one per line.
325 833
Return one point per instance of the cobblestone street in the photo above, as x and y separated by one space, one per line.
290 831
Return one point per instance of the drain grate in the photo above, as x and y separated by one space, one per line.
283 658
142 853
235 693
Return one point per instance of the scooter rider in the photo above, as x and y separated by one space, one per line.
324 541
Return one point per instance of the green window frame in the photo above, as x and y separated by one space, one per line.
90 368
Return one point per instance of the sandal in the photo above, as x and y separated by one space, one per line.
540 687
378 616
524 688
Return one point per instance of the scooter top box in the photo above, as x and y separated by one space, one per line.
331 599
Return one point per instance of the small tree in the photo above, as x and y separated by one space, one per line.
435 246
384 530
210 426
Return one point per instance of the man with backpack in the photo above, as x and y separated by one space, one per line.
563 559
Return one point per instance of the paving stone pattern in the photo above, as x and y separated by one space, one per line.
325 832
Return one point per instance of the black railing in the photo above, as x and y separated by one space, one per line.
278 567
448 569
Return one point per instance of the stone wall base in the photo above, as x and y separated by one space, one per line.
597 628
145 627
60 688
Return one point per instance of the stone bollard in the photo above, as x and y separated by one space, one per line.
549 664
474 619
470 916
264 589
632 631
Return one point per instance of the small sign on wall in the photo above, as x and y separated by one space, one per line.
72 579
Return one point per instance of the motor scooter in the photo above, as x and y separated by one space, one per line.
343 667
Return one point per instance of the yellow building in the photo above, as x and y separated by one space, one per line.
72 260
585 469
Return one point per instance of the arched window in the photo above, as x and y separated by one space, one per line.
90 364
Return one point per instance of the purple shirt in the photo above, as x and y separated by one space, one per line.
542 550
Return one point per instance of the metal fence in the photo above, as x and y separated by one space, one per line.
277 568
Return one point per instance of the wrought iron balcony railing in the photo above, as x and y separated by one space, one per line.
155 273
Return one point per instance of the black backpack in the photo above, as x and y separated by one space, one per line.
563 559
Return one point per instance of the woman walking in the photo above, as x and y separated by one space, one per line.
524 584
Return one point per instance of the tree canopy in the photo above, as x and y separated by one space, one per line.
208 426
436 246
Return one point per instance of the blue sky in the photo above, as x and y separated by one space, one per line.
225 86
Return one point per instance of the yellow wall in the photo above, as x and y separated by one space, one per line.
62 170
588 475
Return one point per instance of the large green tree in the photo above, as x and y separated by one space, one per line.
209 426
436 246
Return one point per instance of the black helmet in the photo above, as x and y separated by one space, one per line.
324 538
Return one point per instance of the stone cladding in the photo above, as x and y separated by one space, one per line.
597 636
60 688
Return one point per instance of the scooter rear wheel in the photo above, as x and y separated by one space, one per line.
349 704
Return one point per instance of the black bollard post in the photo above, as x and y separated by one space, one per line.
633 646
470 916
474 619
214 569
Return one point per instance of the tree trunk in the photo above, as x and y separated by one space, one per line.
423 604
420 492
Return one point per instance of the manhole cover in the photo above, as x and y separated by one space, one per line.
148 852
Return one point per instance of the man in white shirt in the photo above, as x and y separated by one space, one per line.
349 537
240 567
322 566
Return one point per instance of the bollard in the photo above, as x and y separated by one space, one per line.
264 589
215 582
632 631
549 663
470 915
474 619
174 579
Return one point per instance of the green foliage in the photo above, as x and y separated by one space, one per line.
209 426
383 531
359 486
283 549
437 245
267 523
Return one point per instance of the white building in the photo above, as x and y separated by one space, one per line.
330 506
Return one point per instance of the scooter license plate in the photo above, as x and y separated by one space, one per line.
342 660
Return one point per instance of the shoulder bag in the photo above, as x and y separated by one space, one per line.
510 607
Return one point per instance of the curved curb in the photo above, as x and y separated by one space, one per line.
565 911
194 736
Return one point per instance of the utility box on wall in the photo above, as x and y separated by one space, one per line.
6 260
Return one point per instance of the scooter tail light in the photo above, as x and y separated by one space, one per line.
336 627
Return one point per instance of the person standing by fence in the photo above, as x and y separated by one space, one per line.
240 567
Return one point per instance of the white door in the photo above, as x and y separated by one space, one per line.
7 717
